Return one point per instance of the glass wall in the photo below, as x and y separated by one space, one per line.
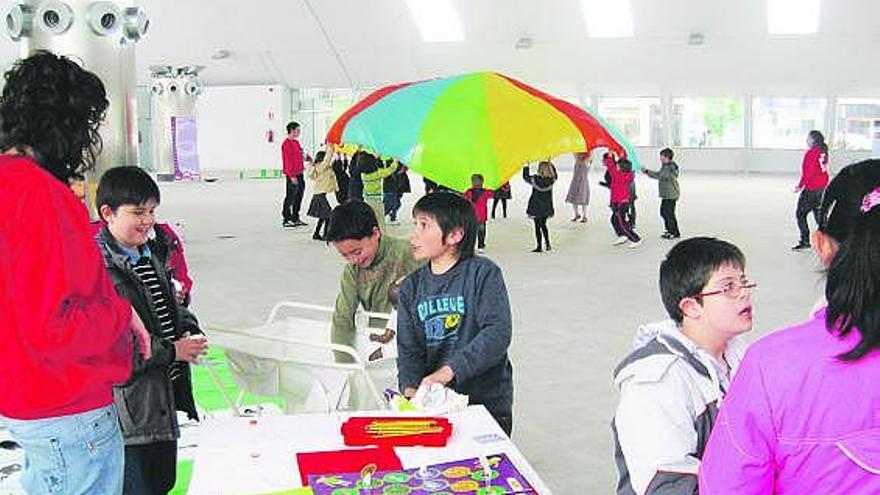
854 119
783 122
708 122
639 119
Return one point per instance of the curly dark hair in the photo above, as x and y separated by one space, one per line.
54 106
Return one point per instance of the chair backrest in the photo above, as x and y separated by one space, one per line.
294 357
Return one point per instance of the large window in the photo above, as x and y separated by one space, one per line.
318 109
854 119
783 123
708 122
640 119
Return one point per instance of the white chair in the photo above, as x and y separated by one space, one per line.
293 357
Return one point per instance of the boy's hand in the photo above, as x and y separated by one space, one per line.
442 376
141 334
409 392
190 348
179 294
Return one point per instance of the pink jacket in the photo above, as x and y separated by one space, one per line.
798 420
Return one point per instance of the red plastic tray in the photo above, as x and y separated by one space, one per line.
355 434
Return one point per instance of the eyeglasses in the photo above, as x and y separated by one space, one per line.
732 289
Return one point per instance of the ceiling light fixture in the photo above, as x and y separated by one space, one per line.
608 18
793 16
437 20
220 54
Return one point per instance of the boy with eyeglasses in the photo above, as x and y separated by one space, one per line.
671 385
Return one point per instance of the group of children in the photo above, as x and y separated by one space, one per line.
381 185
795 413
365 177
454 323
620 179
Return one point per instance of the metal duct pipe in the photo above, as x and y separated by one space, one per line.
102 36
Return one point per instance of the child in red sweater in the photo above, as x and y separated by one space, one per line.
479 198
621 177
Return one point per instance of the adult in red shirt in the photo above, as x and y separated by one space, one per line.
814 179
293 157
66 337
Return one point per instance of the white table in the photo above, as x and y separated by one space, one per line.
235 457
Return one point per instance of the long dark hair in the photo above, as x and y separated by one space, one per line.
818 140
853 285
54 106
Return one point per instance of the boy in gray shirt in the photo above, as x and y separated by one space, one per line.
454 321
669 192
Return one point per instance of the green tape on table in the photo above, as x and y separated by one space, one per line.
184 474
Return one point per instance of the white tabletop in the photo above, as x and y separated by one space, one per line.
235 457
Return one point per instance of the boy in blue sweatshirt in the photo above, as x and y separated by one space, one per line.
454 321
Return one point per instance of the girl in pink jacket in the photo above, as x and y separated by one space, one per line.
803 412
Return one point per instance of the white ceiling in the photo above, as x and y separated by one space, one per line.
281 42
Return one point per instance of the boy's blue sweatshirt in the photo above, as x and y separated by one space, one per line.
460 318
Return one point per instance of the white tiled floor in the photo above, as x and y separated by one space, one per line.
575 309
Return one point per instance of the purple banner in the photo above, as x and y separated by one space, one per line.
185 146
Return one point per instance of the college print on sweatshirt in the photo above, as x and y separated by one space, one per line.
441 316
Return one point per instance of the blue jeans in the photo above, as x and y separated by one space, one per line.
71 455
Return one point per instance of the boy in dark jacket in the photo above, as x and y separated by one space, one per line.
667 178
147 403
454 323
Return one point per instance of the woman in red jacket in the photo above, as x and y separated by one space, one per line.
66 337
814 179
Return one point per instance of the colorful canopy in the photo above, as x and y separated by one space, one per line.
484 122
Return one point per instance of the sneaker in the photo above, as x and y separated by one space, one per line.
547 248
577 218
583 220
667 235
299 223
317 237
620 240
288 224
801 245
537 250
633 245
481 250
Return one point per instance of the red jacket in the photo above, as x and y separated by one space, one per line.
64 338
292 156
620 182
176 261
814 171
481 203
